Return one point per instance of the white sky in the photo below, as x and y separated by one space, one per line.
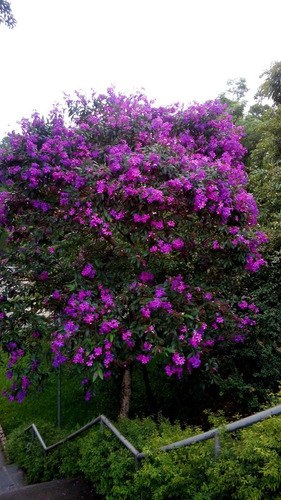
177 50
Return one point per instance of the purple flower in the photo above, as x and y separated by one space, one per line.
178 359
177 244
195 339
88 271
88 396
98 351
89 318
159 292
243 304
193 362
146 276
145 312
144 359
141 218
107 326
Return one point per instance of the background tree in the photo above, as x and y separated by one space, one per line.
263 128
234 97
271 87
6 15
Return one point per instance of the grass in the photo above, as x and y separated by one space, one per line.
43 405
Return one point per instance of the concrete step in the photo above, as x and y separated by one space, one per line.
70 489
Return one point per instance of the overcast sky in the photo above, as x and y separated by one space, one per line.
177 50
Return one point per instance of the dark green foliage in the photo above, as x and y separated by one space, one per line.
254 369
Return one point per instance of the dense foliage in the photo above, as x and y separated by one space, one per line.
248 466
256 367
128 231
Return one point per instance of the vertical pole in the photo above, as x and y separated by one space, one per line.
59 397
217 445
101 427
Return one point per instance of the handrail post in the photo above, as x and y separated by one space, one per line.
32 435
217 445
101 427
137 463
59 397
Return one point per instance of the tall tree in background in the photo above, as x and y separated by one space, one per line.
234 97
265 158
271 87
6 15
257 366
263 125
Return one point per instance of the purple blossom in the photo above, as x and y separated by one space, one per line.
243 304
193 362
154 304
89 318
177 244
145 312
88 271
159 292
178 359
195 339
88 396
141 218
143 358
109 325
146 276
98 351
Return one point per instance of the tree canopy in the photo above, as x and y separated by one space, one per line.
127 231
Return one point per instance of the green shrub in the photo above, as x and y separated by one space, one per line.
248 467
31 458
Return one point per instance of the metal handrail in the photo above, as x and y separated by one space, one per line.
213 433
101 419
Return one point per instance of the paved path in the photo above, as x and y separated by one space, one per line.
64 489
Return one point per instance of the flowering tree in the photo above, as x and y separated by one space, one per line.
122 220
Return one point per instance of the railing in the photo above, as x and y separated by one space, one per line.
214 433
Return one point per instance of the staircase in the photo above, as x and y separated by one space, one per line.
11 478
12 486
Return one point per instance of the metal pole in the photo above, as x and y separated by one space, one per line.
59 397
217 445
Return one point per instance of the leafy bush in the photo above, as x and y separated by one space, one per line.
248 467
38 466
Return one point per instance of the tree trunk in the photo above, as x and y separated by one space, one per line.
126 393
